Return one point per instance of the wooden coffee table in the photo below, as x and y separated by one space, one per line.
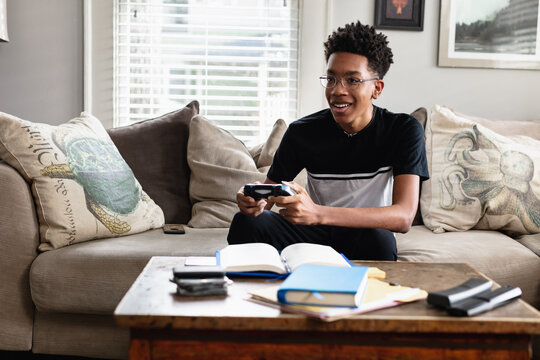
166 326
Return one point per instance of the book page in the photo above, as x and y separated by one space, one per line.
251 257
306 253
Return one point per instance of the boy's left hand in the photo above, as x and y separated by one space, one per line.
298 209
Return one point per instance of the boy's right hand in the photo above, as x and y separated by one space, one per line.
248 205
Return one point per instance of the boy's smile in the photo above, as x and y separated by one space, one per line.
351 104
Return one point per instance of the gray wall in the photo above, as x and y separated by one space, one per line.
415 79
41 67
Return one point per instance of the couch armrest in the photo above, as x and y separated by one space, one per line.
19 239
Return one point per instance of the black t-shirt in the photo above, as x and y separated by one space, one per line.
351 171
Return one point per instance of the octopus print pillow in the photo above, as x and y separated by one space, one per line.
480 179
82 187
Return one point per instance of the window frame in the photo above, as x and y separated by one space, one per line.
314 19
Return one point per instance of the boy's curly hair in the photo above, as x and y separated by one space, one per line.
362 40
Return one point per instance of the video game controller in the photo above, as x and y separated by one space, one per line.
260 191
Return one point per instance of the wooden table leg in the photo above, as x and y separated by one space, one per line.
139 349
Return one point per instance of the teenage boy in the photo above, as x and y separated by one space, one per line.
364 163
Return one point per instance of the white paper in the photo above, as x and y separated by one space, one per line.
200 261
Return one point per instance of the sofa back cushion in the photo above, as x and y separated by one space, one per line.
82 187
419 114
156 151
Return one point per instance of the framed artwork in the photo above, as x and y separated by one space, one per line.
490 34
399 14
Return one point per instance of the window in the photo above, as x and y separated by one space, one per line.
238 58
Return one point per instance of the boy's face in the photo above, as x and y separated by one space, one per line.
351 104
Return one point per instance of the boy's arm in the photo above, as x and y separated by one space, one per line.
398 217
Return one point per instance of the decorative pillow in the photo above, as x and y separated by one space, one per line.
220 165
479 178
156 151
82 187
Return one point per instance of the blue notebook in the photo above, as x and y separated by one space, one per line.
324 285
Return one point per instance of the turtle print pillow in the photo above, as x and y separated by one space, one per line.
480 179
82 187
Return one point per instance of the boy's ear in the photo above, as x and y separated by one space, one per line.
377 89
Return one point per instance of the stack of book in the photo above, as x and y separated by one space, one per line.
330 293
200 280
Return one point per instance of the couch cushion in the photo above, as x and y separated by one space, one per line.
498 256
220 165
83 189
479 179
419 114
531 242
92 277
156 151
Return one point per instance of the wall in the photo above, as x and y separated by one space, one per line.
99 76
41 67
415 80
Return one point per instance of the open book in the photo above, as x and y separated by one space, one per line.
378 295
261 257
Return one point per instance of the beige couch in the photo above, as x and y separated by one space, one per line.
61 301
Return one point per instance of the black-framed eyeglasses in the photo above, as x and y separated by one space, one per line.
348 82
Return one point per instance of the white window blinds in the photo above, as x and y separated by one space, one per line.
238 58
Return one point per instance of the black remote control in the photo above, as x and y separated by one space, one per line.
485 301
447 298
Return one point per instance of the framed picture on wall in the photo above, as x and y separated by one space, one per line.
490 34
399 14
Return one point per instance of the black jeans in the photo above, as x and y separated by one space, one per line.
273 229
